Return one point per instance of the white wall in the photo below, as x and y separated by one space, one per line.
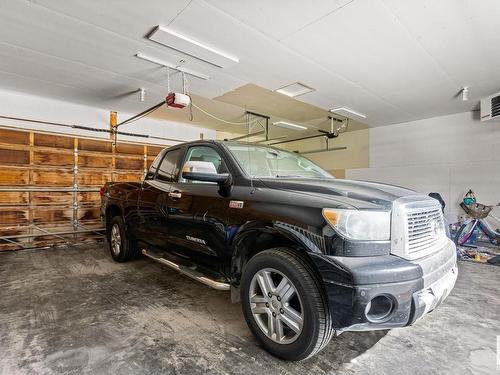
447 154
15 104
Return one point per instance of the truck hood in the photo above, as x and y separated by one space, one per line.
349 193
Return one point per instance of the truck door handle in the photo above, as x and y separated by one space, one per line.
175 194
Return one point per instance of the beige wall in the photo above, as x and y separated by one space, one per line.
447 154
225 135
355 156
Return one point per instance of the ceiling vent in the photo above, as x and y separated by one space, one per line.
490 107
295 89
191 47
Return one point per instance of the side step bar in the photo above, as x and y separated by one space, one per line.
188 272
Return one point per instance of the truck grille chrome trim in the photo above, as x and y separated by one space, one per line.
418 227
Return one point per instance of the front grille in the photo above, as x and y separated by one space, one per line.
417 227
425 229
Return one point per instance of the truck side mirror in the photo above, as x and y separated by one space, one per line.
204 171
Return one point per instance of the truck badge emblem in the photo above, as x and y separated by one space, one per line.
235 204
194 239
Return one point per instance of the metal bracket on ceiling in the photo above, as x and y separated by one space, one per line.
265 127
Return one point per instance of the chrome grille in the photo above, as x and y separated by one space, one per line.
425 229
417 227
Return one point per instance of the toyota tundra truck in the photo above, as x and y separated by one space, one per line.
308 255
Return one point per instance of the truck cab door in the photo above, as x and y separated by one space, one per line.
152 202
197 213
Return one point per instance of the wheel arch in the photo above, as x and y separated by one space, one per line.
112 210
252 238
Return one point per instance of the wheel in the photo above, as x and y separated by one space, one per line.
284 305
464 233
121 247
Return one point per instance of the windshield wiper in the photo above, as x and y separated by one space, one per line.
288 175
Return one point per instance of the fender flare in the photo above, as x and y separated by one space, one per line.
260 232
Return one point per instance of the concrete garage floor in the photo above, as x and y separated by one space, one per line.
74 310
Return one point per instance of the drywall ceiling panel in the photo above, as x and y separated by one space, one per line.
278 18
380 55
62 35
115 55
271 65
394 61
124 18
468 31
459 37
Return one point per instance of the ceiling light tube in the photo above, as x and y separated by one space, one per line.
171 66
191 47
289 125
348 110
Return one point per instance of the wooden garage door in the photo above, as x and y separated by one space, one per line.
50 183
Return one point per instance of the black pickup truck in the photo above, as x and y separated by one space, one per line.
305 253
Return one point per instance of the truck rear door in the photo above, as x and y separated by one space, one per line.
152 203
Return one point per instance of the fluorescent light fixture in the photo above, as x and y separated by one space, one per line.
343 110
191 47
295 89
171 66
289 125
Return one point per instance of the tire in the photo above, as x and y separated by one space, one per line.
464 233
121 247
303 316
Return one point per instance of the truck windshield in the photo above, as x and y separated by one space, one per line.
261 161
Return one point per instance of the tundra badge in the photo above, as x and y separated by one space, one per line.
194 239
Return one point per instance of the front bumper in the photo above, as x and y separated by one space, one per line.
428 299
413 287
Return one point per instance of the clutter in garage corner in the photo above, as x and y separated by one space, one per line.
477 232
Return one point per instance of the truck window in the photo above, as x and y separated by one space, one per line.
205 153
167 169
154 166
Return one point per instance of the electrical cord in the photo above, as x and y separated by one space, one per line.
220 119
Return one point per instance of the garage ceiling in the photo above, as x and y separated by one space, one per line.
232 106
393 60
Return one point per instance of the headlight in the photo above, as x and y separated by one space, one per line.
360 225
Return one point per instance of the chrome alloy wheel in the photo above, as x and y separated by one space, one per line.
116 240
276 306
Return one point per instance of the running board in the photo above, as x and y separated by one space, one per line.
188 272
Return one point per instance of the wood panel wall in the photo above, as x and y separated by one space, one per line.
35 160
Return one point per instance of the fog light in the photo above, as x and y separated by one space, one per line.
379 308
